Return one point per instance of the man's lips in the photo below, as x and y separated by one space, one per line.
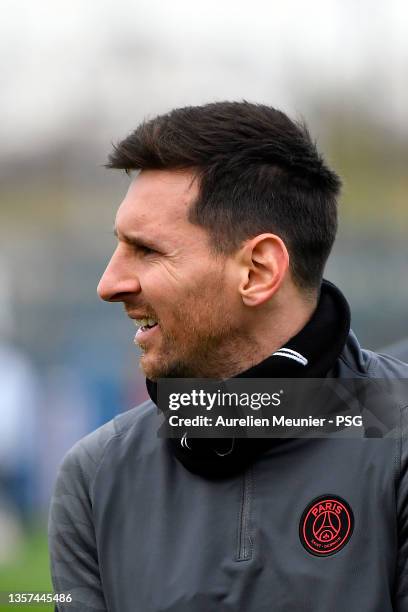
144 334
140 315
145 322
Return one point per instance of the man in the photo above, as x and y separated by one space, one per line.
222 241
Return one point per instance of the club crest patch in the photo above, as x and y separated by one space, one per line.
326 525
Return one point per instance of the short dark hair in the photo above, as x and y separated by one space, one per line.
258 172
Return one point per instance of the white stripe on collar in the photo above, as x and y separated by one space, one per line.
291 354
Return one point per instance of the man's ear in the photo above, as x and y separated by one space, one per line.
264 262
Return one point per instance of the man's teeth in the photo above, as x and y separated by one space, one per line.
145 322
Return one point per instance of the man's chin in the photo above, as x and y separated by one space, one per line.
155 367
149 367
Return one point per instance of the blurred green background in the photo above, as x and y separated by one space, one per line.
78 76
29 570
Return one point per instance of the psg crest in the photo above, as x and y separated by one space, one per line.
326 525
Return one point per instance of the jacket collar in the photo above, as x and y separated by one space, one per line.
312 353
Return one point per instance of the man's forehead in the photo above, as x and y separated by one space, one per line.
157 199
169 190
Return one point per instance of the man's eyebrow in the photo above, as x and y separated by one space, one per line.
135 240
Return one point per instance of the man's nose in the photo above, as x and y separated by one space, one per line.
118 281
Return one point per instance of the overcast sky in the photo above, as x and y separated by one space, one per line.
65 64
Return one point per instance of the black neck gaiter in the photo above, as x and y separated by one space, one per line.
312 353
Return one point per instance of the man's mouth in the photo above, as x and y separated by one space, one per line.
146 327
145 324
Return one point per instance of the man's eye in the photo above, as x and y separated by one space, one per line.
145 250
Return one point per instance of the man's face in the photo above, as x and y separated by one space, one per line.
164 270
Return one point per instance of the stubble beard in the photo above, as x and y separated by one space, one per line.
208 343
215 355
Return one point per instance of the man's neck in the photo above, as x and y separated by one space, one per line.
266 334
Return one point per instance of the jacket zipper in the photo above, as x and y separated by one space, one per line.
245 544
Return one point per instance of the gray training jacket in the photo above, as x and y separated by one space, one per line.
131 530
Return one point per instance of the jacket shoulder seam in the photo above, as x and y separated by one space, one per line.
400 443
118 434
353 369
98 465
